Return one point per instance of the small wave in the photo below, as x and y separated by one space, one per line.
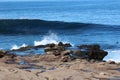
36 26
114 55
51 38
14 47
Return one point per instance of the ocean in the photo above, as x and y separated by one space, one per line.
76 22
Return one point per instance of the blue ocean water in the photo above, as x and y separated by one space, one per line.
104 12
88 11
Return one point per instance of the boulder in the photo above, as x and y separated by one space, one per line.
56 48
97 54
90 52
80 54
47 49
90 47
11 55
39 46
60 44
65 58
111 62
67 45
2 53
66 52
51 45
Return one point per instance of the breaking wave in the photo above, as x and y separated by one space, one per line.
14 47
51 38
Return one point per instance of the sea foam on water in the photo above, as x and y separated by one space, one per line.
114 55
14 47
51 38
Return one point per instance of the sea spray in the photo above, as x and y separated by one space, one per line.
51 38
14 47
114 55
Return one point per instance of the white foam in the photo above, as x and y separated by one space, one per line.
14 47
23 45
51 38
113 55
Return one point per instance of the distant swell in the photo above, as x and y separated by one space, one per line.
34 26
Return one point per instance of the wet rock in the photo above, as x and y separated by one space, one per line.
24 48
67 45
2 53
79 54
90 47
66 52
39 46
60 44
97 54
51 45
47 49
90 52
56 48
11 55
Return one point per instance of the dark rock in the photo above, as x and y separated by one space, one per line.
51 45
90 47
43 46
48 49
79 54
60 44
67 45
111 62
97 54
39 46
24 48
91 52
11 55
2 53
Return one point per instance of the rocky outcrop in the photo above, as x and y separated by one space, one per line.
2 53
90 52
59 50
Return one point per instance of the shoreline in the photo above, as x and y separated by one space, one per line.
58 64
